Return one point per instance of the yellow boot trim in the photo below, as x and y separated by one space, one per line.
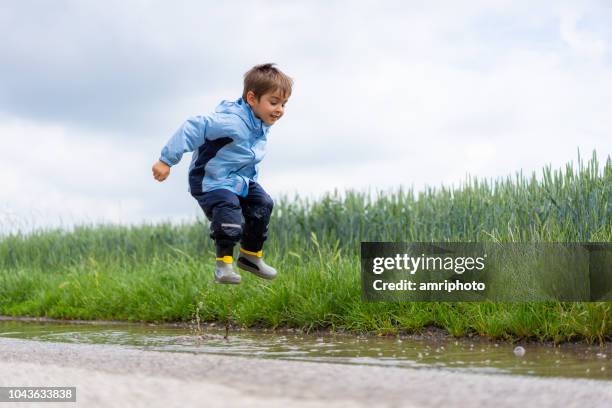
226 259
258 254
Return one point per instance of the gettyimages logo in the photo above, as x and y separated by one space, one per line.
486 271
414 264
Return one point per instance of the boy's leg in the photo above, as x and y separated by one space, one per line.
222 208
256 208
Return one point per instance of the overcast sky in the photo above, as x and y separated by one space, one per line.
387 94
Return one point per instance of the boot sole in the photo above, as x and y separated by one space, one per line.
254 271
227 282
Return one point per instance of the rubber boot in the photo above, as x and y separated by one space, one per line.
253 262
224 268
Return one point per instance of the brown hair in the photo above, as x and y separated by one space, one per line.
265 78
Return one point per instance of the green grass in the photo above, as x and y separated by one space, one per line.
163 272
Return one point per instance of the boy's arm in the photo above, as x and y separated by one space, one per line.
187 138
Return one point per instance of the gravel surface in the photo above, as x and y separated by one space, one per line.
107 375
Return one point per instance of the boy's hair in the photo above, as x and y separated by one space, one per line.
265 78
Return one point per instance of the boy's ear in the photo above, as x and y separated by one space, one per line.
251 97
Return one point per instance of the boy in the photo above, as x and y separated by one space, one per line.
228 145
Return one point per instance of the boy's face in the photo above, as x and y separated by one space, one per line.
269 107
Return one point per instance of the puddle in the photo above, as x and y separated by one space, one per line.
573 361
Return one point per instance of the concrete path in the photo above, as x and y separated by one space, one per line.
114 376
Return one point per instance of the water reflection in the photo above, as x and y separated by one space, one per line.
575 361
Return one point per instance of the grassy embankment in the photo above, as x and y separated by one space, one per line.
161 272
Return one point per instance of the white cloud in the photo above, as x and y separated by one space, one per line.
586 44
386 94
52 176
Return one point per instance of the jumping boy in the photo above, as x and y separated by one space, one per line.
228 144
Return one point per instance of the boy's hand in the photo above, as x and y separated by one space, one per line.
161 171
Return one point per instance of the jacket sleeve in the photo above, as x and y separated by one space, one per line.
187 138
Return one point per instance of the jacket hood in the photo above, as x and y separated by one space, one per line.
242 109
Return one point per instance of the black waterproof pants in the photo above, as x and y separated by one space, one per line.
234 218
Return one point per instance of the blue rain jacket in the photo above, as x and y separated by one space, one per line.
227 146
